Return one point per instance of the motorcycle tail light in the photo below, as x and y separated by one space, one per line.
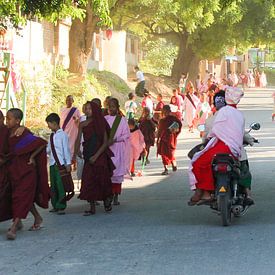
222 168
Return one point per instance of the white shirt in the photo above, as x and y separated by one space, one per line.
130 106
140 76
62 148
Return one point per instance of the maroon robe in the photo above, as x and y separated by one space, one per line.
148 128
5 187
167 139
29 183
96 178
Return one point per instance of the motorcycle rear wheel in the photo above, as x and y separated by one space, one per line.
225 208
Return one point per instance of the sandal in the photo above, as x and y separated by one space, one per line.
164 173
88 213
108 204
11 235
175 168
205 201
35 227
195 198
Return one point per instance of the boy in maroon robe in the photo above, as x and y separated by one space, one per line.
5 188
27 169
169 129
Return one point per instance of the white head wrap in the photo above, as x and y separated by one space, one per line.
233 95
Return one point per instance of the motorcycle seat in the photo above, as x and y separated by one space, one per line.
226 158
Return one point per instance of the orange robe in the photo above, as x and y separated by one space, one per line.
167 139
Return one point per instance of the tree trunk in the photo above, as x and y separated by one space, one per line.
81 40
186 61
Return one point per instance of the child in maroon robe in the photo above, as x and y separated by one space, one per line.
148 128
158 109
5 188
27 169
167 138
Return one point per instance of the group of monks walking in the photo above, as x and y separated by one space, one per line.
103 145
103 138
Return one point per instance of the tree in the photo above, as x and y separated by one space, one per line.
82 30
97 15
202 29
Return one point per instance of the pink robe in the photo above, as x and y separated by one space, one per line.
229 127
137 145
72 126
202 113
190 110
120 149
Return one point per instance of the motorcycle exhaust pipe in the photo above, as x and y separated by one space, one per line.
237 209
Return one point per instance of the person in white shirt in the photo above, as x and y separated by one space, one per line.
141 82
62 149
130 106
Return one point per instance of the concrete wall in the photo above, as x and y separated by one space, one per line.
118 55
42 42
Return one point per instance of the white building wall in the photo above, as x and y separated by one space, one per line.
114 54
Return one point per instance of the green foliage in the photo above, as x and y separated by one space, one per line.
208 27
13 12
159 57
108 81
61 73
270 76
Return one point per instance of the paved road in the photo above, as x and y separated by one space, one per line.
154 231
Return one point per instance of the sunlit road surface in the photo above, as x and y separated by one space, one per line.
153 231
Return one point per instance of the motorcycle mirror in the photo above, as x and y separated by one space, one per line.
201 128
255 126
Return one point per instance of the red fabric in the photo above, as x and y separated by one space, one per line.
116 187
167 140
133 167
96 177
5 186
158 108
29 183
168 160
202 167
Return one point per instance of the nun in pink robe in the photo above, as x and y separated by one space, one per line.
120 147
137 145
69 121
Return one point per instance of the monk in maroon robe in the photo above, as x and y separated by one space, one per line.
5 187
98 167
168 131
27 170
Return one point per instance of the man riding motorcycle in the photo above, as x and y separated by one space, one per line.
226 136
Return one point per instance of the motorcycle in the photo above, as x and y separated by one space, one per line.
229 196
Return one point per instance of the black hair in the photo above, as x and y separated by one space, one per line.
17 113
160 95
115 101
131 96
1 114
137 67
166 108
53 117
97 101
132 121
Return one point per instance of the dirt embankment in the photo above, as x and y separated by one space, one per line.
157 85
